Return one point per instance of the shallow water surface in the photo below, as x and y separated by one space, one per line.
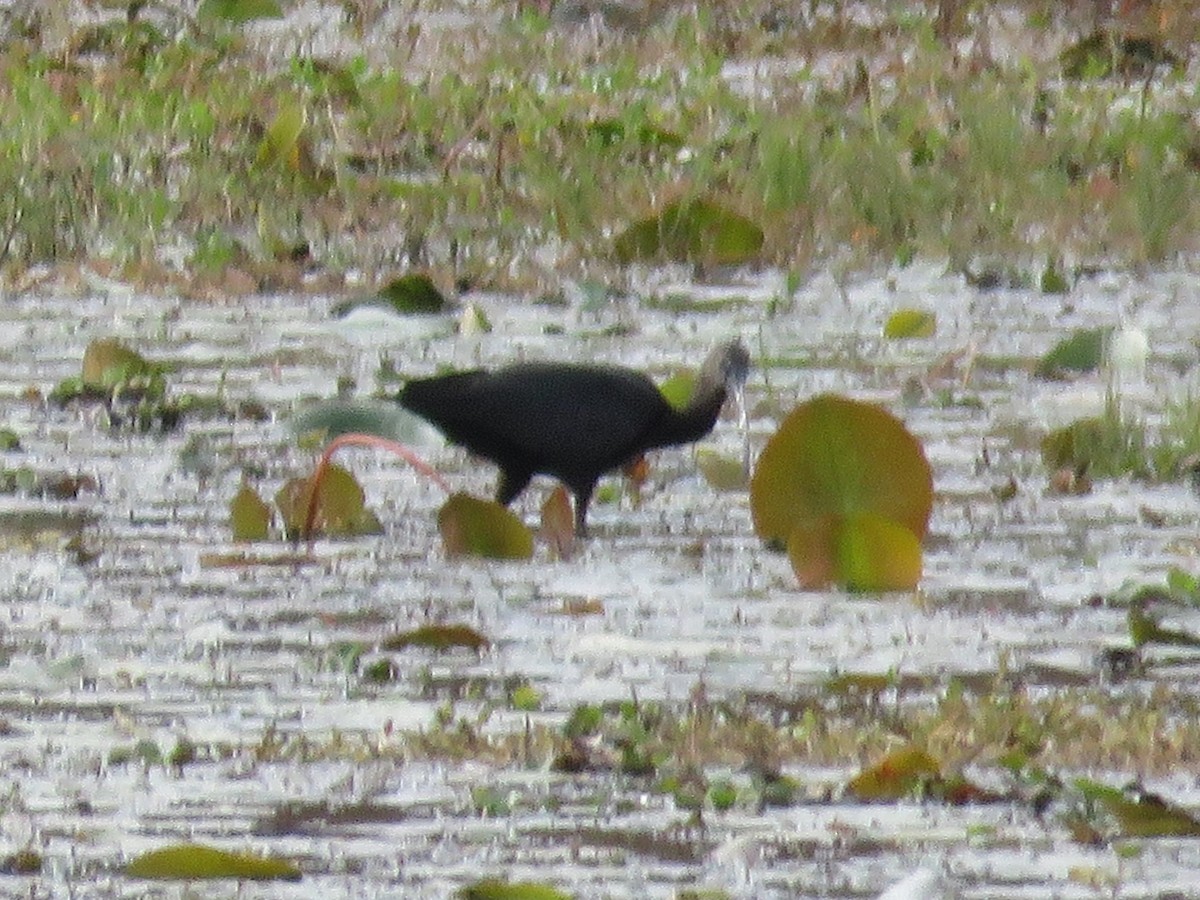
153 642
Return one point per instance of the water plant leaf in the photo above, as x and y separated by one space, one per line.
473 320
862 551
497 889
189 862
411 294
473 527
332 418
1081 351
1139 814
677 390
249 515
107 363
1145 628
838 484
898 775
698 231
438 637
910 323
720 471
238 12
340 507
23 862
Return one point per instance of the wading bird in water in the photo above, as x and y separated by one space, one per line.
571 421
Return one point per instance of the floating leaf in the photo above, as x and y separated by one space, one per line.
333 418
1140 814
698 231
1144 628
340 506
411 294
911 771
838 484
862 551
238 12
438 637
473 320
1082 351
189 862
526 698
723 473
896 776
474 527
23 862
493 889
249 516
107 363
677 390
910 323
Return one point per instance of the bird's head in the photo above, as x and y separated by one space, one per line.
727 365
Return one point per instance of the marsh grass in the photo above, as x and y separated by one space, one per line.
156 138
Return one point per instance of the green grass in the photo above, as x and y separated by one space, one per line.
181 137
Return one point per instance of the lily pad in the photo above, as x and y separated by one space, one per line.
107 363
474 527
494 889
1082 351
249 516
411 294
1140 814
697 231
721 472
337 508
438 637
838 485
190 862
910 323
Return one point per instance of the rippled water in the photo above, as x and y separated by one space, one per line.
151 642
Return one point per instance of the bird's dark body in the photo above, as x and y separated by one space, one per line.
573 422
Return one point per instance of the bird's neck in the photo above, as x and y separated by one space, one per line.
692 422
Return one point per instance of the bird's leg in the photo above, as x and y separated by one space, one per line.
583 496
511 484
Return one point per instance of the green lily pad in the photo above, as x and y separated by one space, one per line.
438 637
107 363
1082 351
190 862
721 472
838 485
249 515
494 889
861 551
1140 814
910 323
411 294
340 508
697 231
474 527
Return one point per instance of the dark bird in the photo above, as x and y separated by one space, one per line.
573 422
